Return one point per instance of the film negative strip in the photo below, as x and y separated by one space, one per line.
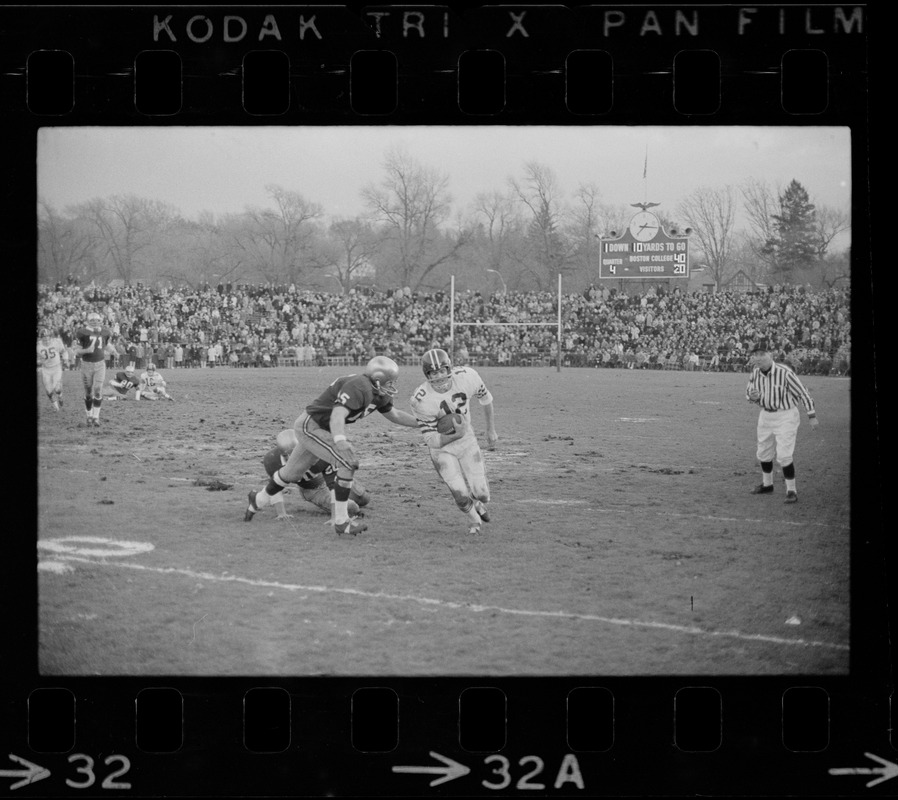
147 657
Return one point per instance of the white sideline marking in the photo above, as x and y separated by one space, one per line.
293 587
552 502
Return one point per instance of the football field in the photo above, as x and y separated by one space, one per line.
623 540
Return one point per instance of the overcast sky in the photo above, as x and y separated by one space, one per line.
225 169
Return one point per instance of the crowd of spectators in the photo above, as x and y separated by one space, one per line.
259 326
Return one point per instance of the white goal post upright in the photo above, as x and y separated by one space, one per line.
453 324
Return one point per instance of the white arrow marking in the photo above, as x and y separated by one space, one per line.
450 772
31 774
887 770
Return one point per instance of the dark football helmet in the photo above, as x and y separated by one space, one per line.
384 374
437 368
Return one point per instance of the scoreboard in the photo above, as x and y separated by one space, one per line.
645 251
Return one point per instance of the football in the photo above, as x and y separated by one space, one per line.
447 424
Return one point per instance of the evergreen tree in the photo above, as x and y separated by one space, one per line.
794 244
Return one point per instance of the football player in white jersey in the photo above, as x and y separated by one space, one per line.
152 385
49 359
456 455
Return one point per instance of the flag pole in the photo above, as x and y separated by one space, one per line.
645 173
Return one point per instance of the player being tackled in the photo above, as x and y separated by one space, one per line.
442 407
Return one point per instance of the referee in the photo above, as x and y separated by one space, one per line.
776 388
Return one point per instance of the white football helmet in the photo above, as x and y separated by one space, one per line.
286 441
151 367
384 374
94 320
437 368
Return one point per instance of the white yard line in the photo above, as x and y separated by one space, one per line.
292 587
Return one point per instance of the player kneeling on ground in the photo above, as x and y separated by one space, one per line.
124 381
152 386
316 484
442 406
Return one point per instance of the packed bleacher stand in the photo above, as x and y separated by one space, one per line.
254 326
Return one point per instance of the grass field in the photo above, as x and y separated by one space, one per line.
623 540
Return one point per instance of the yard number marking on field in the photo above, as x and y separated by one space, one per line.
110 548
455 604
57 550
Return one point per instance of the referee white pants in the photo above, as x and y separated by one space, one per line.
777 431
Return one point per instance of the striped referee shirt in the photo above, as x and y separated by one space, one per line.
779 388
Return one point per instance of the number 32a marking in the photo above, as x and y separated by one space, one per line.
87 769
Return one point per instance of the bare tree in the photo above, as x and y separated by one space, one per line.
65 246
539 192
583 229
197 252
356 244
761 204
712 212
829 222
125 227
409 206
278 242
500 228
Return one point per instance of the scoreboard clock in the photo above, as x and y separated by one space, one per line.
645 251
644 226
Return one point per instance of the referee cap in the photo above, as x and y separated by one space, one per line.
761 347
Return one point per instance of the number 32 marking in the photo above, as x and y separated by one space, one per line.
87 770
502 771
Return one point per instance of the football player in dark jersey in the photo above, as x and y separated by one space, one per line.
91 341
316 484
123 382
321 433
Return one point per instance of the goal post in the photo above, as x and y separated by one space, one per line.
453 324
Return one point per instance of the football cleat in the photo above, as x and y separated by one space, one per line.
762 489
475 528
791 497
480 508
251 509
352 526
